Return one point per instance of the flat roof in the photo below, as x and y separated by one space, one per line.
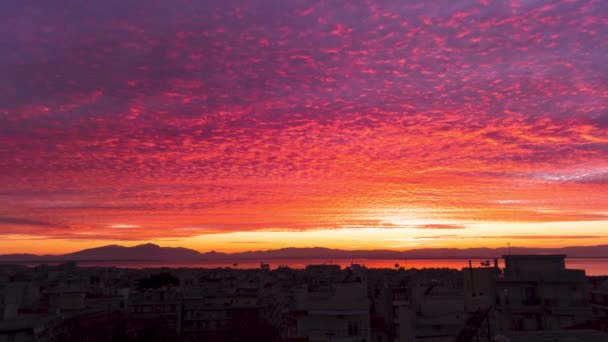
559 336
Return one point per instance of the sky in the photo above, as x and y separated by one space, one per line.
248 125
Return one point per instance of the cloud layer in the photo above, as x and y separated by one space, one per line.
185 118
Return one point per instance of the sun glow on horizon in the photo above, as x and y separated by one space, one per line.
356 238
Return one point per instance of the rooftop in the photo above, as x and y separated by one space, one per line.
559 336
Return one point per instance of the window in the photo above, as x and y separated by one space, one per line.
353 328
530 292
517 324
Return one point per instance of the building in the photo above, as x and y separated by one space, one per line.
216 314
403 313
30 328
336 312
537 292
159 305
556 336
479 288
599 299
439 313
66 299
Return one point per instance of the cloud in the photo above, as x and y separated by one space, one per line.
511 237
545 237
14 221
248 242
311 117
591 176
434 237
439 226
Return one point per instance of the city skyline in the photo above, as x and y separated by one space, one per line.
253 125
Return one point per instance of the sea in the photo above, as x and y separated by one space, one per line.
592 266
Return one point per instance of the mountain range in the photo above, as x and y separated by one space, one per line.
152 252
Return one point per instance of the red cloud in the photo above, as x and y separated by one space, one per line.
233 117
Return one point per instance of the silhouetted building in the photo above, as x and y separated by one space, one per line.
479 288
599 299
161 305
339 312
556 336
537 292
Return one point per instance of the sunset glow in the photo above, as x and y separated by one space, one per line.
248 125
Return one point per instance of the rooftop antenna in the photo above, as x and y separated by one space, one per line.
472 279
509 247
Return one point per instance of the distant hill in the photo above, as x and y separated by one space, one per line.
145 252
141 252
427 253
152 252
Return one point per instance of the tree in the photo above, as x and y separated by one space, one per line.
156 281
